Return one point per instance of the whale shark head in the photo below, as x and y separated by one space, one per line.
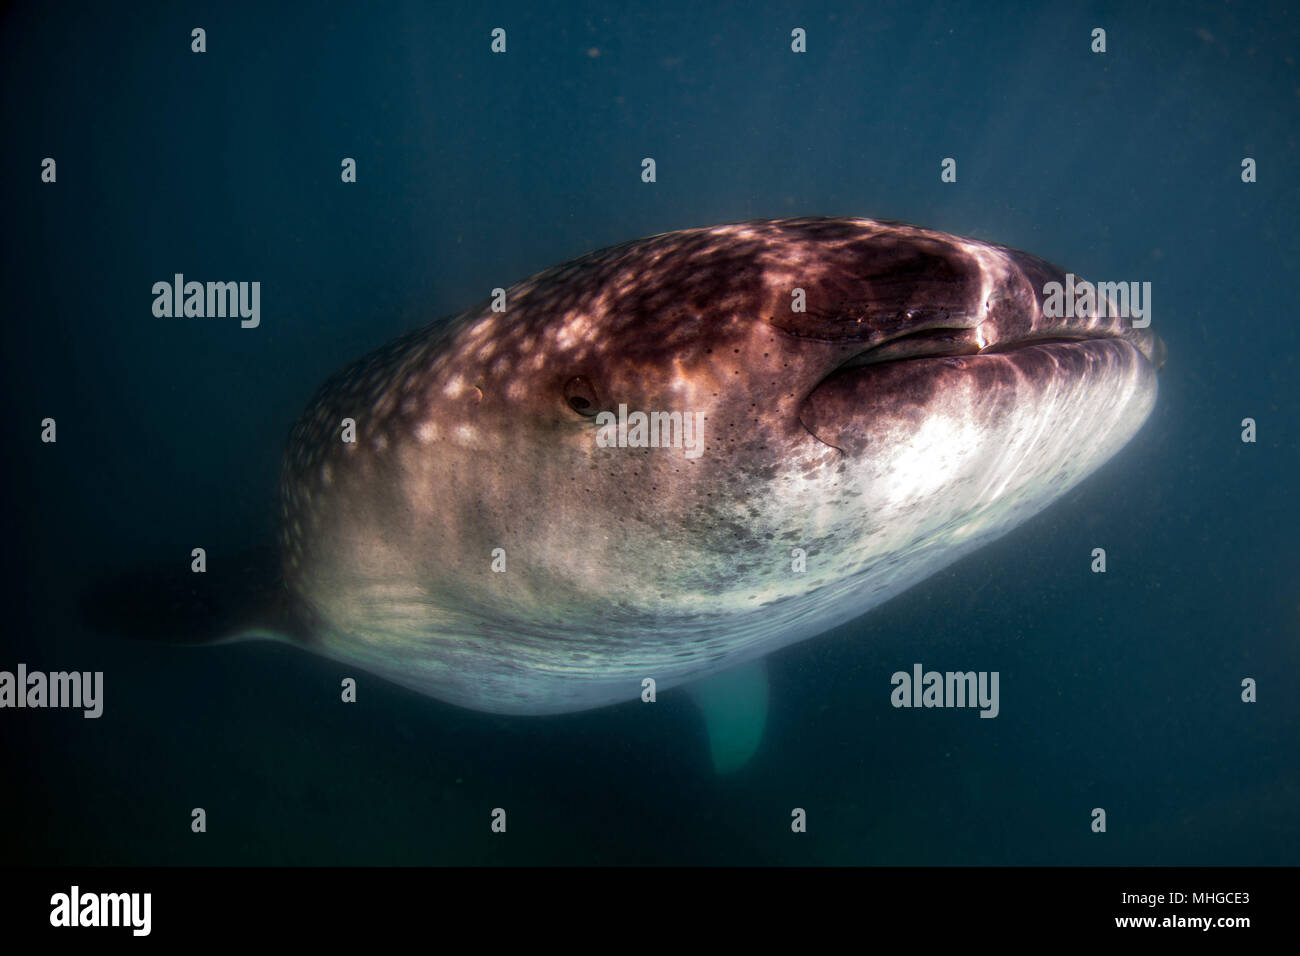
669 457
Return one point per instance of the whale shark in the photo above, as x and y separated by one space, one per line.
505 511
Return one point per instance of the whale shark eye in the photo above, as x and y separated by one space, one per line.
580 396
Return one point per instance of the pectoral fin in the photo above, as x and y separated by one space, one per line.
237 597
734 706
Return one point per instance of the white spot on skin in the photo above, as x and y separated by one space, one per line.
481 328
577 328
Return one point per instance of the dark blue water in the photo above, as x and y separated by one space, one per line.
1119 691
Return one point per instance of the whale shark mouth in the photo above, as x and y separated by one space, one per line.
893 387
940 342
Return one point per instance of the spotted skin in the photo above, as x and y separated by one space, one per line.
902 419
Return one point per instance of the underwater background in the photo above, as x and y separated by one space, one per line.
1119 690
